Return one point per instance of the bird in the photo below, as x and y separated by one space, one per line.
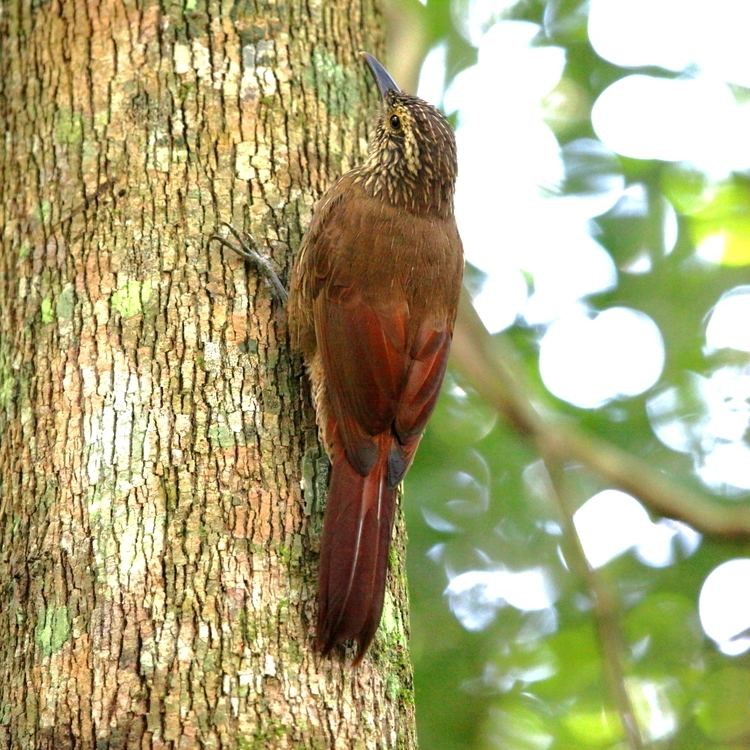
372 303
371 308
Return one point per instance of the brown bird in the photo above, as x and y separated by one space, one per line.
372 303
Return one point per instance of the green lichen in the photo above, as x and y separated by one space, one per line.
49 494
390 623
69 127
44 211
210 662
52 629
263 737
392 687
7 389
249 346
48 314
294 651
65 303
99 497
284 554
391 642
393 556
131 298
101 118
250 34
327 76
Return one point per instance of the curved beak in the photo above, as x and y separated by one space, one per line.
380 74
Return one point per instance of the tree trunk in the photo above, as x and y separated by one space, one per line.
161 482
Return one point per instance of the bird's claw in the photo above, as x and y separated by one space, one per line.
246 248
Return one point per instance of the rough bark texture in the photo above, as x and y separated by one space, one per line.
161 482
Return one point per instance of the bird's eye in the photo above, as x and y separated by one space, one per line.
395 122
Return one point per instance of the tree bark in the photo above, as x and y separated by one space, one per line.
161 482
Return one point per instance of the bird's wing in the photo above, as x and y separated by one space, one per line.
365 358
383 372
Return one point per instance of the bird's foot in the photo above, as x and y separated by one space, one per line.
245 246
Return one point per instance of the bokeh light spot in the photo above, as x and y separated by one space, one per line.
708 418
724 606
589 361
621 515
476 595
729 322
697 120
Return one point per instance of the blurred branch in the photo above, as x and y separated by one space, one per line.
487 364
604 606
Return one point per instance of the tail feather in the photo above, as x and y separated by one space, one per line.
354 554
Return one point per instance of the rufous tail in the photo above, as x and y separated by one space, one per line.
354 554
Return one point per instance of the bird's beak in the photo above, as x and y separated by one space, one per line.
380 74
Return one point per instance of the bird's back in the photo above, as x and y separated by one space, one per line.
388 254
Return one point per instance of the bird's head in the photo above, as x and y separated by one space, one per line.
412 157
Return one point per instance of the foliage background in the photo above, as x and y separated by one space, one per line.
477 499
